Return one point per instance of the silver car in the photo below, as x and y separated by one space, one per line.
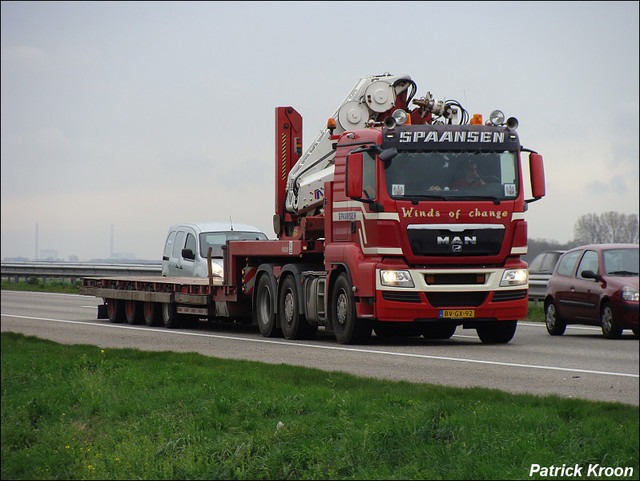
187 245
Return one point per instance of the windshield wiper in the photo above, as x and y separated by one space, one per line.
622 273
417 198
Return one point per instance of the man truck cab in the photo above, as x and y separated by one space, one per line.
187 245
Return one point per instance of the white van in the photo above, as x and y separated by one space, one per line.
185 250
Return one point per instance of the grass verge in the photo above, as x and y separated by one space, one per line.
81 412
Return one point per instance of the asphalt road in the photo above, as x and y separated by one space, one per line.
580 364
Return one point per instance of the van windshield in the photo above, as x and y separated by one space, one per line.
216 240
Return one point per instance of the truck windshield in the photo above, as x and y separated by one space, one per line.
457 175
216 240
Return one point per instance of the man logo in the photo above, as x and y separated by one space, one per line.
456 243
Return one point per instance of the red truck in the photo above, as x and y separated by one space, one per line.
397 220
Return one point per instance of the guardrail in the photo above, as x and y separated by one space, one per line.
74 270
537 286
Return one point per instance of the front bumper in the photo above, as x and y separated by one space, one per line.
471 294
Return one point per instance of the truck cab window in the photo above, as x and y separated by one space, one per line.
368 176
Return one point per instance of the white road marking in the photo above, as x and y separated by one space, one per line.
334 348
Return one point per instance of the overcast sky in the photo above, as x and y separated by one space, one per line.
140 115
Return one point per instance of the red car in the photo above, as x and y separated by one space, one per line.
597 285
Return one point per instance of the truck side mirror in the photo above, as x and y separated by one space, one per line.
188 254
536 171
354 175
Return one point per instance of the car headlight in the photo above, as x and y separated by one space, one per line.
396 278
514 277
629 294
216 269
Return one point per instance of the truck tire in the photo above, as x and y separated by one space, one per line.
151 311
347 327
115 310
170 317
263 310
293 324
496 332
132 311
438 330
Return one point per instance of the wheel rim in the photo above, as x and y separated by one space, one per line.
264 305
147 310
341 308
607 319
129 306
551 316
288 307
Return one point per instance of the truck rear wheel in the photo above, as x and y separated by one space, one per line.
496 332
347 327
115 310
263 310
293 324
170 317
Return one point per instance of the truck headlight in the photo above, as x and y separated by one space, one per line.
216 269
629 294
396 278
514 277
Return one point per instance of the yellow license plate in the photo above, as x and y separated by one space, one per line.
457 313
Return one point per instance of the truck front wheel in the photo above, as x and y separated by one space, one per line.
263 310
496 332
347 327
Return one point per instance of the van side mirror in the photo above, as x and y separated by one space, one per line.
353 179
536 171
188 254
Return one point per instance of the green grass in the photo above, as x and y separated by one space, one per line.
80 412
36 284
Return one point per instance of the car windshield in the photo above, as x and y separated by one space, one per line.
621 262
443 175
216 240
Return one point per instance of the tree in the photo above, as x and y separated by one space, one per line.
606 228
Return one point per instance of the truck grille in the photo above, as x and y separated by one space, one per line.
459 240
401 296
456 299
509 295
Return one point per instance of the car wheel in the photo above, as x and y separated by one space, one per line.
608 323
555 324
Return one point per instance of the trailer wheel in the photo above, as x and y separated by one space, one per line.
263 312
496 332
294 325
151 311
132 311
170 317
347 327
115 310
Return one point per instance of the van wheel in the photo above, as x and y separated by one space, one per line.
294 325
347 327
263 310
115 310
608 323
